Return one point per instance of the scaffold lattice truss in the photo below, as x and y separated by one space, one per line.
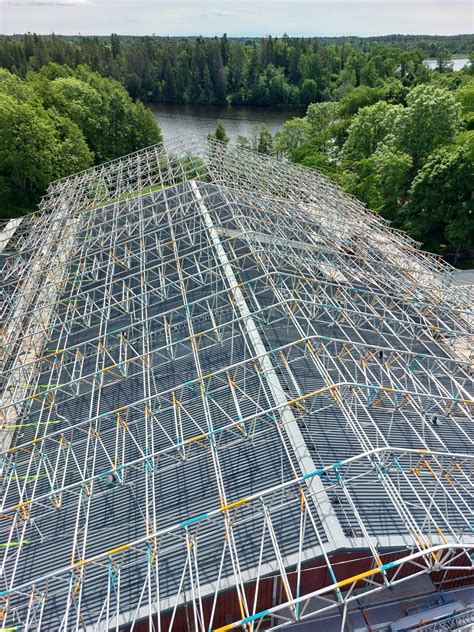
221 378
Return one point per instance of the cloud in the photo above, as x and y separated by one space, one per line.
241 10
237 18
47 3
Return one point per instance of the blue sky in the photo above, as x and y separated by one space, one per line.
237 17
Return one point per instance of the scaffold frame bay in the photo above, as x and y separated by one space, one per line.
232 398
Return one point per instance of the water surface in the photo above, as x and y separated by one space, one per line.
458 64
178 120
185 120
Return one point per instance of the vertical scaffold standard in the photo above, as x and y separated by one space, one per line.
231 398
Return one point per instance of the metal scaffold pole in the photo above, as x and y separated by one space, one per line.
231 398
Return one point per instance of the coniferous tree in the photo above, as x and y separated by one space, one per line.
220 133
235 66
265 141
207 92
115 45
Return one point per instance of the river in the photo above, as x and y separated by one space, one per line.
185 120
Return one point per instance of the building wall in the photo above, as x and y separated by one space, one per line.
314 575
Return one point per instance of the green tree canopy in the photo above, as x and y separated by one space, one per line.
57 122
15 87
27 144
272 88
72 153
220 133
371 126
36 146
465 96
80 102
125 126
359 98
309 92
382 180
443 60
432 118
265 140
321 115
295 133
243 71
441 206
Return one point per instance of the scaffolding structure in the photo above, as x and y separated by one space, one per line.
218 371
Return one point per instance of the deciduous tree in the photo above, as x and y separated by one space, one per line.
441 206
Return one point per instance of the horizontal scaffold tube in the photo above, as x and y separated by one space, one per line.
308 339
232 505
373 572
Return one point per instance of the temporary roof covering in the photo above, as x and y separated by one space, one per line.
217 367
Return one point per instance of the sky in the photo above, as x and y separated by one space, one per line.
237 17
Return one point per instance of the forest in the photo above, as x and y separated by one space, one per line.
59 121
268 72
391 131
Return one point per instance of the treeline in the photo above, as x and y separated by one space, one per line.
431 45
269 72
409 155
59 121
